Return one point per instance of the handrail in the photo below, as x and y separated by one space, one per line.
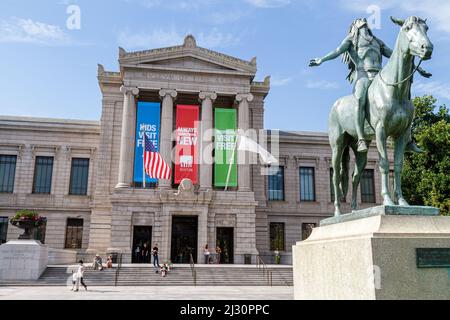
266 272
259 263
193 271
119 266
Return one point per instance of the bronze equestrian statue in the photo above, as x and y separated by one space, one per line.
380 106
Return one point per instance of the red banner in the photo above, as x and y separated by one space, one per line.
187 133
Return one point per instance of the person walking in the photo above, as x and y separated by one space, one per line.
80 275
218 253
155 257
206 254
74 280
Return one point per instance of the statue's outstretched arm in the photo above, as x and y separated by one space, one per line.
423 73
343 47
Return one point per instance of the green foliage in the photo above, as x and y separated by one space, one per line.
25 214
28 215
425 177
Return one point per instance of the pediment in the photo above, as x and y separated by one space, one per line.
188 63
187 57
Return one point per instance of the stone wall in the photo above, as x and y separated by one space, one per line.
62 139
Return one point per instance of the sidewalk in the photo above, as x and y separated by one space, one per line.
147 293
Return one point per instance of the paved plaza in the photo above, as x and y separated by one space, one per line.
148 293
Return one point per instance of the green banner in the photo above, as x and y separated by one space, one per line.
224 144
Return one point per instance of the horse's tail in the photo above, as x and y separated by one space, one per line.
345 166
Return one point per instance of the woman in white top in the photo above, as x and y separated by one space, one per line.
206 254
80 275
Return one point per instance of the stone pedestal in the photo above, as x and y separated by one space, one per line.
22 260
371 254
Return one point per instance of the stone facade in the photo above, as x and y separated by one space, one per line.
113 205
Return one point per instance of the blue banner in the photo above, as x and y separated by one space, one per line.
148 120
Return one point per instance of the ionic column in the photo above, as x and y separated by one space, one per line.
243 126
207 99
165 140
127 137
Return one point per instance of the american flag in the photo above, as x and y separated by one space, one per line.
154 164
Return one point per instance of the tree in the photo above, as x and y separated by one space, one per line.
426 176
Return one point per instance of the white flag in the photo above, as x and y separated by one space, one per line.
247 144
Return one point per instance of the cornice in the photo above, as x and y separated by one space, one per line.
47 124
261 87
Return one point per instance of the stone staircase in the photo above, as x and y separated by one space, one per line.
180 275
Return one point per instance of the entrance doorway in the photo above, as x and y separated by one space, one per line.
142 244
184 239
225 240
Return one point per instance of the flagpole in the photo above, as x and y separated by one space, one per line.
231 162
143 163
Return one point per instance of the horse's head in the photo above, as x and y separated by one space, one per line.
415 40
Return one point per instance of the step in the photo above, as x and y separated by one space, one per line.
144 275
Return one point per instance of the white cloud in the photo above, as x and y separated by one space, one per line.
434 88
437 11
279 81
321 84
17 30
161 38
268 3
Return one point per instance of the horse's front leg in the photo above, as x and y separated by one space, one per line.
384 164
399 152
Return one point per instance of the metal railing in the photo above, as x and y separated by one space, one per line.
193 271
267 274
119 266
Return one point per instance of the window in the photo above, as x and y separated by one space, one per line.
3 229
367 187
307 185
74 233
79 176
7 173
39 234
277 236
43 175
275 189
307 229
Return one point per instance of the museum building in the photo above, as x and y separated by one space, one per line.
87 177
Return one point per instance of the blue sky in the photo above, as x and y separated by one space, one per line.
49 70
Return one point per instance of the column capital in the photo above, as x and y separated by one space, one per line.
168 92
244 96
126 90
203 95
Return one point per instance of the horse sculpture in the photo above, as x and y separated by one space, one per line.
389 113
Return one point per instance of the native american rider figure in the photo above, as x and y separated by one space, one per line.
363 53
